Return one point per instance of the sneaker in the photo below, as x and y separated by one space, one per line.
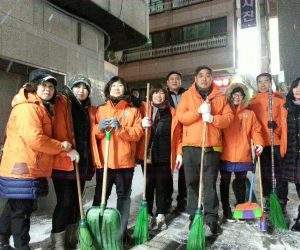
161 222
227 215
241 221
296 226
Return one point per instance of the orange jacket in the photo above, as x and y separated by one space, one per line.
176 136
260 105
237 137
63 131
187 113
123 141
29 147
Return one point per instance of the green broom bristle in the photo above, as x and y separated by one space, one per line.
85 237
196 239
276 214
238 214
141 230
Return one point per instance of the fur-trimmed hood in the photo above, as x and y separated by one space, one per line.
236 85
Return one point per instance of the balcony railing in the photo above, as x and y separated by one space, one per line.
215 42
158 7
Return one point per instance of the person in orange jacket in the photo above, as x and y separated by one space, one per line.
203 102
165 152
237 154
125 120
260 105
73 119
28 156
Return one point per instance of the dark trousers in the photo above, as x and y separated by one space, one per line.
182 193
15 221
158 181
122 178
191 161
298 192
225 184
266 169
66 211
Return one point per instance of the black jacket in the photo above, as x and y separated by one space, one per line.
177 97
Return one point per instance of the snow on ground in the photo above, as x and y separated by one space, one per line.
235 236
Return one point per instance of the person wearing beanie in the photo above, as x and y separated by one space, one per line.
237 154
73 116
165 152
28 156
125 121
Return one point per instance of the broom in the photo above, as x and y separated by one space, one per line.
276 214
141 229
196 239
262 221
85 237
249 209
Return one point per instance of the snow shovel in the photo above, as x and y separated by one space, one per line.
249 209
276 214
141 229
85 236
105 223
196 240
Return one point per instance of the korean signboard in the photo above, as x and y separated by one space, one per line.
248 13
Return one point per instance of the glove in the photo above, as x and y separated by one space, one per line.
178 161
272 125
115 123
73 155
65 146
103 124
204 108
146 122
207 118
258 150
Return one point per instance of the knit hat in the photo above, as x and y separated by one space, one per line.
42 75
77 79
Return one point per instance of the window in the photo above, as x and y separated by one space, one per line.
197 31
156 6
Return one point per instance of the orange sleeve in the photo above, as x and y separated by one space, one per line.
283 139
224 119
256 131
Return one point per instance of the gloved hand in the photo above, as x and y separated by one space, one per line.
272 124
204 108
146 122
65 146
258 150
178 162
73 155
207 118
114 123
103 124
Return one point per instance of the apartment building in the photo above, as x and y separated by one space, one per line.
183 35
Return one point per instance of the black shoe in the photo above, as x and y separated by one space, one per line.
296 226
215 228
181 206
5 246
227 214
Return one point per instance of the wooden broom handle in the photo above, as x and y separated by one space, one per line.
146 141
105 168
260 185
202 164
79 191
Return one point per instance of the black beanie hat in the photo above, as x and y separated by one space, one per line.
42 75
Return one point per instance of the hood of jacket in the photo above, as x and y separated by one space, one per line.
25 97
231 87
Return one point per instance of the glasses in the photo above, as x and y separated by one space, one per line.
237 96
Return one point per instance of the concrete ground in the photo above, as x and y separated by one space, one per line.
234 236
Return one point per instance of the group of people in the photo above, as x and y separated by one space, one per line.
48 132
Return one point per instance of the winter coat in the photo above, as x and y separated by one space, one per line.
29 148
187 113
123 141
244 128
176 137
260 105
176 96
72 123
291 142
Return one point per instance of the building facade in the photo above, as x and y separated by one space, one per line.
183 35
